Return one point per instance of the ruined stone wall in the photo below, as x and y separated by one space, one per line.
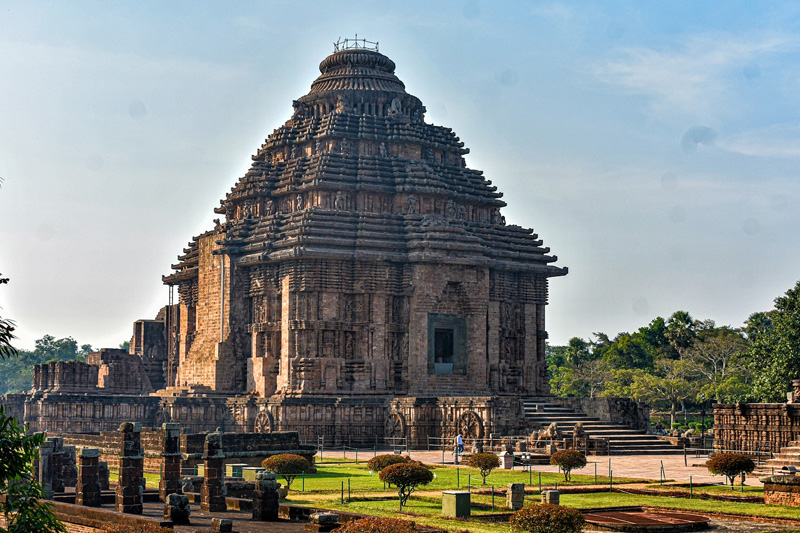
756 426
65 376
15 404
60 413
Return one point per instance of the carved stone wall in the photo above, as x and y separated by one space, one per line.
756 426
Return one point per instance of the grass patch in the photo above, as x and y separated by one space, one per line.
612 499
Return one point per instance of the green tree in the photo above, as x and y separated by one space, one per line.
567 461
774 355
22 507
485 462
671 386
680 331
406 477
287 465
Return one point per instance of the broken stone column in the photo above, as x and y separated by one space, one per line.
170 461
222 525
176 509
265 497
46 468
131 463
57 463
212 495
87 489
515 496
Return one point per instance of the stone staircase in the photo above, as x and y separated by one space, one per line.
788 456
621 439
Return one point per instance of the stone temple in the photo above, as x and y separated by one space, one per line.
360 283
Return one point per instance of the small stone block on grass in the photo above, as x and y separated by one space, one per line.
551 496
322 522
455 504
222 525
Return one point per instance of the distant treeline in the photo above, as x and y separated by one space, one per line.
683 362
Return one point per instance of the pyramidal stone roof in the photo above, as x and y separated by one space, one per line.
357 173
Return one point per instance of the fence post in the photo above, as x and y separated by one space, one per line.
492 497
458 478
691 488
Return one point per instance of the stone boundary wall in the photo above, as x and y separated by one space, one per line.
15 404
765 427
622 411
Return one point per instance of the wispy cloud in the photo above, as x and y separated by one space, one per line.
692 77
779 140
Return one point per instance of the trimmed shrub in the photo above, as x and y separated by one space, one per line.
546 518
379 462
485 462
730 465
287 465
406 477
567 461
377 525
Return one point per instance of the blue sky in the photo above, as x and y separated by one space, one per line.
653 146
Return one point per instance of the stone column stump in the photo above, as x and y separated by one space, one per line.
212 494
265 498
177 509
87 489
104 475
515 496
131 462
170 461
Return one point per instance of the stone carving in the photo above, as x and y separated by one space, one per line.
299 202
160 417
429 155
343 104
318 146
471 425
344 146
299 109
264 422
382 149
551 433
411 205
395 425
338 202
450 210
462 212
395 110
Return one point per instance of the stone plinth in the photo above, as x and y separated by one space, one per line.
104 476
507 460
171 459
515 496
455 504
87 489
212 495
551 496
265 497
131 482
57 463
322 522
782 490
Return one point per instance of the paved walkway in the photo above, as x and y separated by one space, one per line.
631 466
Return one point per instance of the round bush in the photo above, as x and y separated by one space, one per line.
377 525
546 518
485 462
406 477
379 462
567 461
730 465
287 465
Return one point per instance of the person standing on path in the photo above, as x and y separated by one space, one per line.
459 446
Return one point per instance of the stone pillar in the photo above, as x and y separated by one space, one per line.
46 468
87 489
212 497
57 463
265 498
170 461
131 463
515 496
